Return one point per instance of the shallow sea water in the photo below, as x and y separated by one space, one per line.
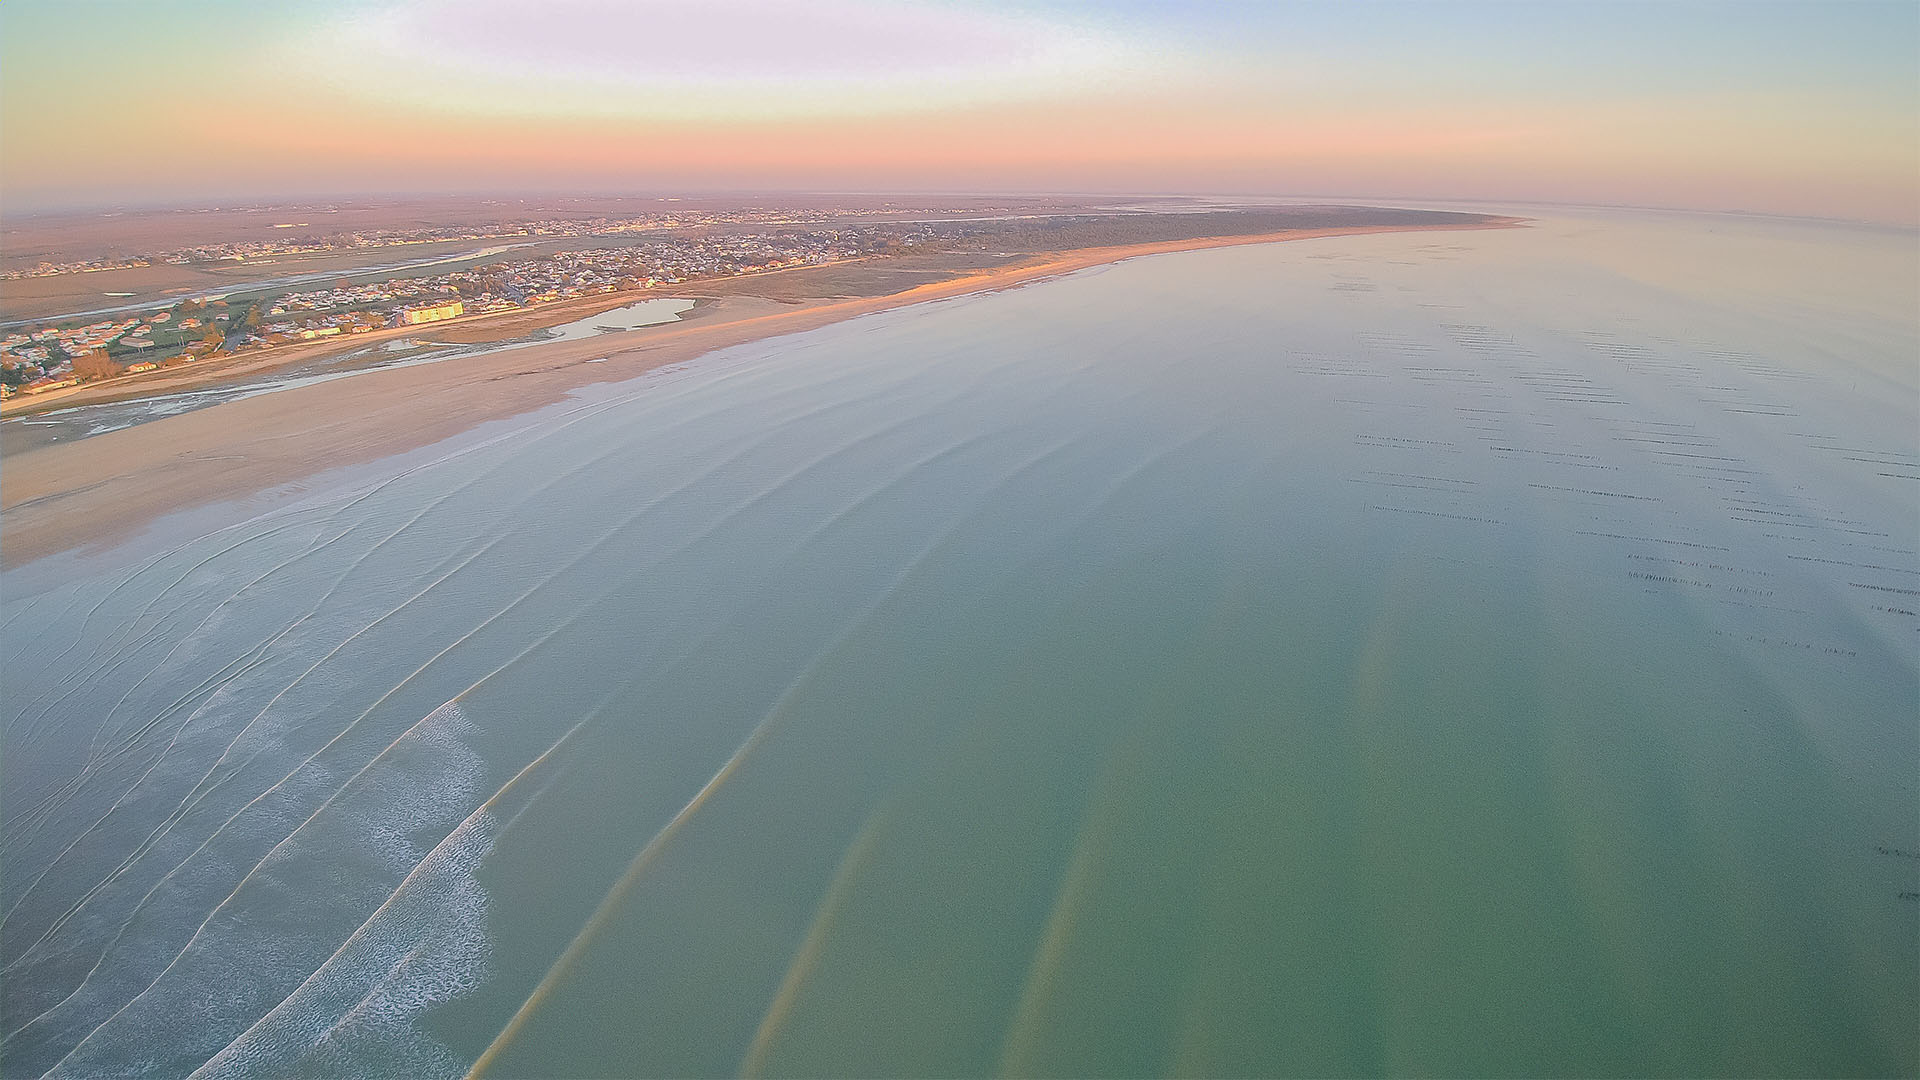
1484 653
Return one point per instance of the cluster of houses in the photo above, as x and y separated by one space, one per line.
350 322
580 273
241 251
313 242
42 359
74 266
371 294
560 276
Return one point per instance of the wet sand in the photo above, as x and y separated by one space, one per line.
103 489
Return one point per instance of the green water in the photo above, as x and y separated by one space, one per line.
1474 654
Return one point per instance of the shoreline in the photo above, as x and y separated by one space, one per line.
213 371
106 489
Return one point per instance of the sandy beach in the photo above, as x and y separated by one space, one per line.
104 489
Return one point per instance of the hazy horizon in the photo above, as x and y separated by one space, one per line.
346 198
1785 109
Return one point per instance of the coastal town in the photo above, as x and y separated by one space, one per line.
55 354
307 237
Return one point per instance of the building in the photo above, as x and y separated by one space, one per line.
431 312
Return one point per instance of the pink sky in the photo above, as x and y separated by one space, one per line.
1783 109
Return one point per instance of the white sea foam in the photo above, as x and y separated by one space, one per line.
420 924
358 1015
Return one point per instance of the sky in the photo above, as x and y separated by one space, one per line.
1776 107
